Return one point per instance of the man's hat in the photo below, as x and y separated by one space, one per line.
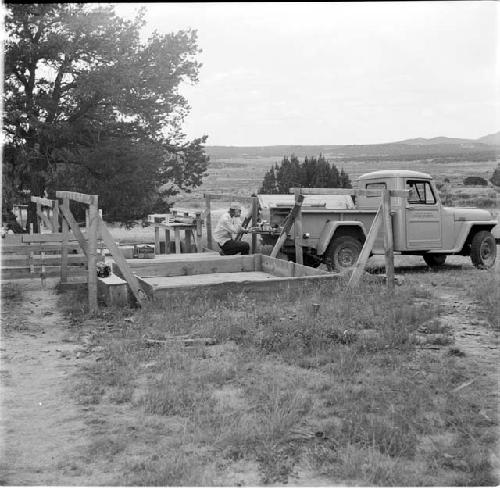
235 206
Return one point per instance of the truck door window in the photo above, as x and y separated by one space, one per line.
375 186
420 192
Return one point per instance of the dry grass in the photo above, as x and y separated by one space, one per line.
345 393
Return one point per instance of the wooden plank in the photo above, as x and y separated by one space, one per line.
157 240
177 239
31 253
224 264
255 217
167 241
43 217
228 197
388 240
348 191
37 238
55 217
113 291
367 248
49 260
68 216
78 197
50 271
187 239
26 249
265 286
199 232
287 226
208 220
121 262
298 230
64 245
92 238
46 202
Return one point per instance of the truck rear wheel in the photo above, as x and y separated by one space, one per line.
342 253
434 260
483 250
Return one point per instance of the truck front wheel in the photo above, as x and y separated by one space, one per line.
342 253
434 260
483 250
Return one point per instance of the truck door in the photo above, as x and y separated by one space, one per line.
423 217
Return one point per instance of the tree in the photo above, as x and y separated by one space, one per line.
89 107
495 178
312 173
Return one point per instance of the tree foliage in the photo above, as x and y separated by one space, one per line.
311 173
495 178
90 107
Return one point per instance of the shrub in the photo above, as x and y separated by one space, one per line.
475 181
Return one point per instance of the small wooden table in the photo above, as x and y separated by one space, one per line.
192 231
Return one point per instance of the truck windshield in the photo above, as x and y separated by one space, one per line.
420 192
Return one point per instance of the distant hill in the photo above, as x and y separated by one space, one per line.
482 149
435 140
491 139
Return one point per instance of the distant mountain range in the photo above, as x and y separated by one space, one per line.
482 149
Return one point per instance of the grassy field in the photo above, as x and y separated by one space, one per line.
243 176
371 389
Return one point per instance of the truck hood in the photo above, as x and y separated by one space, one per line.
467 214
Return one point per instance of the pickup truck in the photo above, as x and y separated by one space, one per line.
334 227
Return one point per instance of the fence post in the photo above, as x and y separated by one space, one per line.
64 248
157 239
255 217
92 231
388 239
199 231
208 219
55 217
298 230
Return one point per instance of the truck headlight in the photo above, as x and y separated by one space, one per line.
306 235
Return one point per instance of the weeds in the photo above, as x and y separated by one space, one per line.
348 378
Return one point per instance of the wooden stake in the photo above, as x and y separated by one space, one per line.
388 240
157 240
255 217
199 231
208 220
298 230
121 262
367 248
64 245
287 226
92 231
55 217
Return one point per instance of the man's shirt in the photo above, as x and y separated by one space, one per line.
226 227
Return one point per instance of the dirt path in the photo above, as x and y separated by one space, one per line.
42 427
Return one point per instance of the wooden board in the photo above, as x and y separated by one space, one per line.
113 291
50 259
257 282
20 273
28 249
193 266
54 237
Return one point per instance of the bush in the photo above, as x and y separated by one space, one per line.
475 181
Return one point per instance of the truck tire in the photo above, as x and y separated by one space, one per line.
483 250
343 252
434 260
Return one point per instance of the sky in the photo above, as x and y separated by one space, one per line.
338 73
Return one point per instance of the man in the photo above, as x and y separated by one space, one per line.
228 226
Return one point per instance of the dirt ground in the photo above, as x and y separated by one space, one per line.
43 428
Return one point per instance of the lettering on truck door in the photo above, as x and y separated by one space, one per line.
423 216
